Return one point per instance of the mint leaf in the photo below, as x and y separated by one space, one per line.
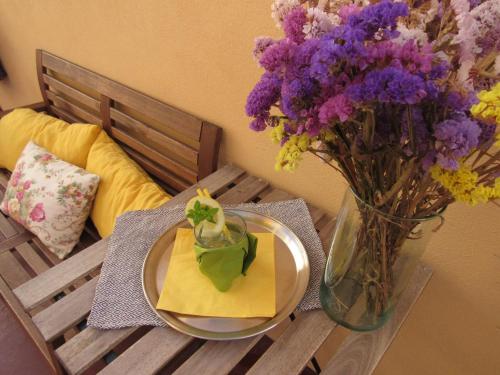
201 212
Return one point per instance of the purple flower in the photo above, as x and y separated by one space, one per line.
455 139
487 133
383 15
294 23
261 44
420 132
389 85
460 103
258 124
326 62
348 10
296 95
337 107
277 55
265 93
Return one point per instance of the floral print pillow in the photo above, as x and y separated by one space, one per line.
50 197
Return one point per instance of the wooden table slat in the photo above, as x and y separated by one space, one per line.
245 191
290 353
86 348
217 357
15 240
149 354
360 353
56 279
64 313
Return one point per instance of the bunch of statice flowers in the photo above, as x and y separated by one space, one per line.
401 98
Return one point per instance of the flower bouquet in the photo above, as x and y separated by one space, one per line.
403 100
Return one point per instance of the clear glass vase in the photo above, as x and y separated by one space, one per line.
371 258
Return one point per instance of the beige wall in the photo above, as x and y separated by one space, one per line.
196 55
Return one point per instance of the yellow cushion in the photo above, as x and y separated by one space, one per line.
123 187
70 143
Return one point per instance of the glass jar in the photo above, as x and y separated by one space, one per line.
234 231
371 258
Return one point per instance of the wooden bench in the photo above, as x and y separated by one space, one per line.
176 148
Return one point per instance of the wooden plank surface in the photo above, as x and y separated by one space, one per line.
15 240
86 348
360 353
217 357
246 190
291 352
149 354
56 279
67 311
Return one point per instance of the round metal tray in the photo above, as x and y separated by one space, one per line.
292 278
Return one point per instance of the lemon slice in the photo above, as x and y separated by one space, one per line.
209 229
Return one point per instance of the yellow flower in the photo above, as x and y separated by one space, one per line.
497 143
463 185
291 153
278 132
488 109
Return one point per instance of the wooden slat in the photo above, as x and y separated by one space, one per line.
245 191
360 353
295 347
86 348
176 167
71 92
15 240
51 282
176 120
64 313
208 157
63 104
157 170
149 354
217 357
31 257
152 136
214 183
11 271
62 114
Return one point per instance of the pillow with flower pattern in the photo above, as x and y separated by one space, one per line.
50 197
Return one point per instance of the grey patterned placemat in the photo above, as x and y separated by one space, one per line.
119 300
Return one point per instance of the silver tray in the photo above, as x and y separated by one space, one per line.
292 278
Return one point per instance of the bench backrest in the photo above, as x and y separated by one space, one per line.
175 147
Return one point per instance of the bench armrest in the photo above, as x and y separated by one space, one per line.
39 107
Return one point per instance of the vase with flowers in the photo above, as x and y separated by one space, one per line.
403 100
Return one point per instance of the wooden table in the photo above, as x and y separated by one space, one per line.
59 300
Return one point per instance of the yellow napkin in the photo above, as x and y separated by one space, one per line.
187 291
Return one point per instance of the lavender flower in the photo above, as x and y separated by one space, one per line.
380 16
296 95
294 24
265 93
460 103
487 133
258 124
389 85
420 132
261 44
455 139
277 56
337 107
